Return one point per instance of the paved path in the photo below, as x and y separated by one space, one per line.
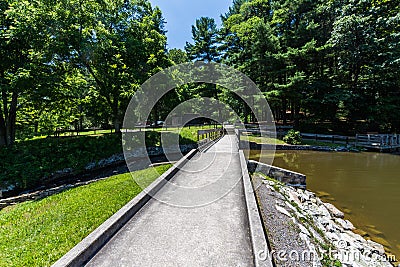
199 218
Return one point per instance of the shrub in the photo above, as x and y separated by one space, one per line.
292 137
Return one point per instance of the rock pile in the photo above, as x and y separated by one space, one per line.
323 228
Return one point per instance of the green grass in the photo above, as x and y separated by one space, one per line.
65 134
27 163
262 140
320 143
38 233
191 133
98 132
187 135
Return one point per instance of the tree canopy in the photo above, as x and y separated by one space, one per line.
65 60
320 61
77 63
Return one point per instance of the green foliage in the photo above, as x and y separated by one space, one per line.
38 233
76 64
28 162
178 56
204 35
325 61
328 261
292 137
69 61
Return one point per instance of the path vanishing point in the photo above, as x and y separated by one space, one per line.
206 215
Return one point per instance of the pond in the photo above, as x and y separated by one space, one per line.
363 185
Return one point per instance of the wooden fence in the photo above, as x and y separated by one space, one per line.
327 138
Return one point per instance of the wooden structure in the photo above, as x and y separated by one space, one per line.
330 138
379 141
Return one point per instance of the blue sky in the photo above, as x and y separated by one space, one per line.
180 15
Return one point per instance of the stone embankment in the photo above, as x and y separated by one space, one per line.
39 194
290 178
68 174
305 231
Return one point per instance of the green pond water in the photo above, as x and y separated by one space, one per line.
366 186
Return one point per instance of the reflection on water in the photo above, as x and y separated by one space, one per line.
363 185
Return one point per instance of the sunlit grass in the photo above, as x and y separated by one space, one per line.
38 233
320 143
262 140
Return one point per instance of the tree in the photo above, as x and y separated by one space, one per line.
60 59
204 35
120 49
365 42
25 68
333 61
178 56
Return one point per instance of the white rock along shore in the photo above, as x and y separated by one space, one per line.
319 226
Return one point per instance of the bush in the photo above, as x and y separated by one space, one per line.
292 137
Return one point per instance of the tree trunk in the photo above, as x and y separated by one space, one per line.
36 127
3 118
284 108
117 125
297 116
3 136
8 119
117 122
13 118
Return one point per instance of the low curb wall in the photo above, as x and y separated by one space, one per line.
204 147
287 177
257 234
89 246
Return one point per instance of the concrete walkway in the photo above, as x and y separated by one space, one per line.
198 219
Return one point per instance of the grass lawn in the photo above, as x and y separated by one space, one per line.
97 132
38 233
28 162
268 140
262 140
320 143
191 133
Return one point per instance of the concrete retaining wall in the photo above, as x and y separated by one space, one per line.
285 176
257 234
